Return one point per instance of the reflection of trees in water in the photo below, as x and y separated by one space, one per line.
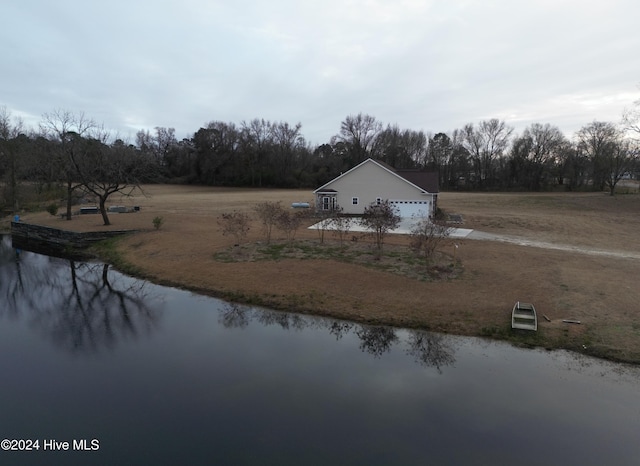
283 319
81 306
17 278
235 315
339 328
431 349
84 307
95 312
376 340
428 349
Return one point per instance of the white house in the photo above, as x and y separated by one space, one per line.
413 192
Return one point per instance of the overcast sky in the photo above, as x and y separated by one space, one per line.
431 65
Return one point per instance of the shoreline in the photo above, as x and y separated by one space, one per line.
306 306
563 284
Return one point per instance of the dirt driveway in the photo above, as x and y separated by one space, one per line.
484 236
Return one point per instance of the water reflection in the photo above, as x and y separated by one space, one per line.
80 306
217 383
428 349
83 307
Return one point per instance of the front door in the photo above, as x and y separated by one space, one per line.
328 202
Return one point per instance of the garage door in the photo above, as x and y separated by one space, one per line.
412 208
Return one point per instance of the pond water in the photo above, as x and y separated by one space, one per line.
145 374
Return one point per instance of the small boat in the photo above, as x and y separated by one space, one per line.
524 316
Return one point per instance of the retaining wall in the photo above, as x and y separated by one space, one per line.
54 237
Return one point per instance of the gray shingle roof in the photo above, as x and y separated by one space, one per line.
425 180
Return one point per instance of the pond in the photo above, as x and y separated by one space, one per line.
128 372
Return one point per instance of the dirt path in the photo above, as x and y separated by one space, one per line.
520 241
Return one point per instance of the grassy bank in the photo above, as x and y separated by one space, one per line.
474 297
301 256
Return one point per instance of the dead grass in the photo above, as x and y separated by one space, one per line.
396 258
601 292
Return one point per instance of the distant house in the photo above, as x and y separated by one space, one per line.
413 192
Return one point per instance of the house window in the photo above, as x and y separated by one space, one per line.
354 201
325 203
378 200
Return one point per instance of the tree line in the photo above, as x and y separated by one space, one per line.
70 154
72 151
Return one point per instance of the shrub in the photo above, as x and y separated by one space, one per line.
236 224
380 219
157 222
440 215
341 226
268 213
288 222
53 209
426 236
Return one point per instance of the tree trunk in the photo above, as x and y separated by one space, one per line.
69 199
13 184
103 210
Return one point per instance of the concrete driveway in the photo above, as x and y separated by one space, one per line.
404 228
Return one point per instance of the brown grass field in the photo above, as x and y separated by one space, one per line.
600 290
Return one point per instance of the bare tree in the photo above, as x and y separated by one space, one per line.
236 224
322 221
486 144
289 222
358 132
620 161
256 137
86 161
534 153
380 219
426 236
268 213
157 145
10 162
287 140
400 148
105 170
447 154
165 139
598 141
570 166
631 119
340 225
68 131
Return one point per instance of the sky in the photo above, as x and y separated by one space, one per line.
430 65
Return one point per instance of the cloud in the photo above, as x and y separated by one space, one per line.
430 65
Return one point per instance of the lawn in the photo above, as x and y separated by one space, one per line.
474 299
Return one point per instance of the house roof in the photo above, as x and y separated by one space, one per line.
426 181
429 181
